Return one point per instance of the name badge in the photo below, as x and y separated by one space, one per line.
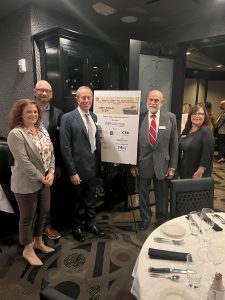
162 127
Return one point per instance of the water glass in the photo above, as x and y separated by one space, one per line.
194 222
207 223
194 264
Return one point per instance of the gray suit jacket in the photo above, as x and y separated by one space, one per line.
164 154
28 169
75 145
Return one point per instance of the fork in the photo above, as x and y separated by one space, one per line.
220 218
164 240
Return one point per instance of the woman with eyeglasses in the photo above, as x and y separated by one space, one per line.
196 145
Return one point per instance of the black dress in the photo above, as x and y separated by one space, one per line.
196 149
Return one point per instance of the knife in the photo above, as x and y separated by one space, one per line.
170 270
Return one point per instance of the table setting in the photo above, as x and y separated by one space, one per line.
182 258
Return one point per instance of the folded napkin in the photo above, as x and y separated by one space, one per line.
169 255
216 227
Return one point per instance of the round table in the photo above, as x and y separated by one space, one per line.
145 287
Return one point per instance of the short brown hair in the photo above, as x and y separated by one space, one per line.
15 115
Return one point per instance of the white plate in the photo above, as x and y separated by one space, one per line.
173 230
174 294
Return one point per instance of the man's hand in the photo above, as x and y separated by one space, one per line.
75 179
170 173
134 171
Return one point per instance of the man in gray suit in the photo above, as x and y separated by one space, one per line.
81 152
157 157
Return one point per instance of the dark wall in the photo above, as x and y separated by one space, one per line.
15 44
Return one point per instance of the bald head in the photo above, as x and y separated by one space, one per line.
43 92
222 104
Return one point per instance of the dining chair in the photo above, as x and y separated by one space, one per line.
190 194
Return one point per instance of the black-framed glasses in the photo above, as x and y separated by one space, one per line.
198 114
44 91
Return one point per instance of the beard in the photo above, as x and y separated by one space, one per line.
153 110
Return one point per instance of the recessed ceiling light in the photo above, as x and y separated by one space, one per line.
103 9
188 53
129 19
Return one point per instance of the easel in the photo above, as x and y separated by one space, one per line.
129 187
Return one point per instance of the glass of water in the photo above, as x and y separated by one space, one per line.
194 267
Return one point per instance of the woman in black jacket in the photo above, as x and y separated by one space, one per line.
196 145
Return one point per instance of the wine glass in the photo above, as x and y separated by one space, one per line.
207 222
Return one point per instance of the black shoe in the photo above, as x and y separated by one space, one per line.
78 235
93 228
144 225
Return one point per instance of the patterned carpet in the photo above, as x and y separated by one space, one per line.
98 269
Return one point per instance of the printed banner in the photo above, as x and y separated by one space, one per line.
118 120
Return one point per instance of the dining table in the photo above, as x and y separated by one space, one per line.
145 287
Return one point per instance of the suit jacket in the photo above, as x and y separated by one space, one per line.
163 155
28 169
53 130
76 147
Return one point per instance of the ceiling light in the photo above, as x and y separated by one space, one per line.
129 19
219 66
188 53
103 9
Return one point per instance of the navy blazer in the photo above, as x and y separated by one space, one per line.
76 147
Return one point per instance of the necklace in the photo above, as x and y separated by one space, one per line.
33 131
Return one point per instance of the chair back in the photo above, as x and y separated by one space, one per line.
190 194
5 171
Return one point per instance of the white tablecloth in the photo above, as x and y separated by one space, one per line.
148 288
4 202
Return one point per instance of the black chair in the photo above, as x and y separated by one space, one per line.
8 221
190 194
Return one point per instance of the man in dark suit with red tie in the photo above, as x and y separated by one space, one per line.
157 157
81 152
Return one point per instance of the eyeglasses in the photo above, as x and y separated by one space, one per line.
198 114
44 91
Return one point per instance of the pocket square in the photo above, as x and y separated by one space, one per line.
169 255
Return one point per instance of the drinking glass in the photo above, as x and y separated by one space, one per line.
194 222
207 222
194 263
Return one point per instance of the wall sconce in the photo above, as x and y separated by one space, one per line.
22 65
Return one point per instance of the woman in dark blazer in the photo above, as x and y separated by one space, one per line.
32 175
196 145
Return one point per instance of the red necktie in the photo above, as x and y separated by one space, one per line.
152 130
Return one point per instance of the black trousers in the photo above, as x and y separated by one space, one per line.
84 198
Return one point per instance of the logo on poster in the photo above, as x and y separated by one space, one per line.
121 148
125 132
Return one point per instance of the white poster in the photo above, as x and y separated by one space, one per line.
118 121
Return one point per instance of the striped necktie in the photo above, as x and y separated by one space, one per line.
152 130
